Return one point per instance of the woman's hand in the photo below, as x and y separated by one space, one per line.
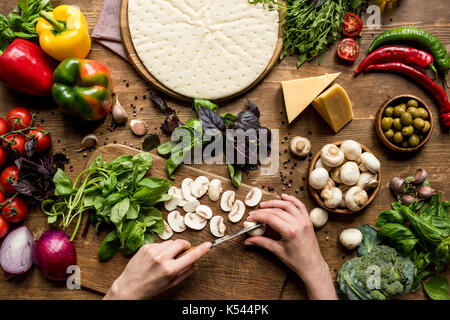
298 247
153 269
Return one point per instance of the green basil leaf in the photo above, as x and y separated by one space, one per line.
134 236
119 210
52 219
143 162
109 246
229 118
59 175
195 124
63 188
149 237
113 198
98 203
133 211
236 175
204 103
166 148
150 142
437 288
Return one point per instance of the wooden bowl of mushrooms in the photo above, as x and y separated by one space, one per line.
344 177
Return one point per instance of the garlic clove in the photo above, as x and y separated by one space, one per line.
119 114
138 127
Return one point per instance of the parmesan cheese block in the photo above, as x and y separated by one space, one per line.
335 107
299 93
208 49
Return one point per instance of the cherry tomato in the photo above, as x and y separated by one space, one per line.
352 25
8 177
2 157
16 211
21 117
348 49
15 141
4 226
3 127
2 196
43 139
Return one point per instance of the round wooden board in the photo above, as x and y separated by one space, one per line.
139 66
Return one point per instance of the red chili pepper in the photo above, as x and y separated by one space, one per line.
406 55
437 92
27 68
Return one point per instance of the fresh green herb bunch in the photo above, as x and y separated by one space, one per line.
117 195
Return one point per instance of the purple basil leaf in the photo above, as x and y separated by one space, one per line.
161 104
253 108
210 120
30 147
170 124
246 120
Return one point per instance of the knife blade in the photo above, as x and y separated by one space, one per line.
236 234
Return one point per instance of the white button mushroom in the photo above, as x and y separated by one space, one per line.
336 174
176 221
204 211
351 149
190 206
237 211
344 188
215 189
318 178
319 217
186 189
300 146
167 234
319 164
255 232
200 186
253 197
367 180
217 226
328 186
351 238
349 174
369 161
226 203
332 197
331 155
356 198
194 221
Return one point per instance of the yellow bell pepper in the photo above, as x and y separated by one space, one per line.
64 33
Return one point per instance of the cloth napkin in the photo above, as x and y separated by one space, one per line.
107 29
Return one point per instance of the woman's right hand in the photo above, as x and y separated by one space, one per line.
298 247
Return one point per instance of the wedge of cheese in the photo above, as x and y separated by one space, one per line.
299 93
335 107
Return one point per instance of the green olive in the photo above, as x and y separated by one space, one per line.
413 103
411 110
414 140
407 131
421 113
398 110
386 123
389 134
404 144
406 118
419 123
398 138
426 127
397 124
389 111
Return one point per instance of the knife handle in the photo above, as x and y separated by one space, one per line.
186 252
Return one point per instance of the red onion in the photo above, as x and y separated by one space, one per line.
407 199
53 253
425 192
16 251
420 176
397 185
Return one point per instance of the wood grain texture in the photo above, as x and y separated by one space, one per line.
367 92
229 271
142 70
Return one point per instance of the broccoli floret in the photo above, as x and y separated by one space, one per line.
381 274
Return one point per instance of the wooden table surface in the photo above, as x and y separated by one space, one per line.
367 93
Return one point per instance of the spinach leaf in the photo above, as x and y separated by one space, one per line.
63 188
370 239
60 175
119 210
437 288
235 174
142 161
389 216
399 236
133 235
109 247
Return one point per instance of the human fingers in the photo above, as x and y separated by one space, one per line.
266 243
300 205
183 274
156 248
175 248
287 206
193 256
267 216
283 215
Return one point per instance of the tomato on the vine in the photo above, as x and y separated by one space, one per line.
15 142
15 211
43 139
352 25
3 127
8 177
4 227
19 118
348 49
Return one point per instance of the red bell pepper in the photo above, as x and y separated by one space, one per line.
25 67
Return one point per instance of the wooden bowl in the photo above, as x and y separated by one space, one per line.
372 193
394 102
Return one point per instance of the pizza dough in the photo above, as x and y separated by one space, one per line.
208 49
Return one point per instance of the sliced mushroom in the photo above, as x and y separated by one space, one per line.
332 197
370 162
176 221
332 156
237 211
349 174
176 192
172 204
217 226
200 186
336 174
167 234
300 146
319 217
318 178
351 149
194 221
356 198
215 189
186 189
319 164
226 203
253 197
204 211
367 180
255 232
191 206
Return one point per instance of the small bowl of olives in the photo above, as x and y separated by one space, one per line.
404 123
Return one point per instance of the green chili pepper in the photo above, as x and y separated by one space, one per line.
423 38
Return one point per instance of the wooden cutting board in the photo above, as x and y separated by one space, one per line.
229 271
142 70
